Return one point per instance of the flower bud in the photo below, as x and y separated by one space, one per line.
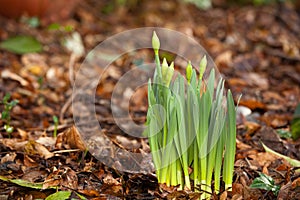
164 68
203 64
155 43
189 70
169 75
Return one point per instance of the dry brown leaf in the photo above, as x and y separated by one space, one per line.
236 82
89 192
284 191
243 150
70 139
47 141
53 179
6 74
263 158
28 162
252 104
275 120
224 59
296 183
70 179
111 185
255 79
224 195
23 134
127 143
64 177
33 63
14 143
35 148
9 157
33 175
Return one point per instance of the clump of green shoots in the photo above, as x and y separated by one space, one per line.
190 126
5 115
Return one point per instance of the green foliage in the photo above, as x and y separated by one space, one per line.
189 126
261 2
58 27
5 115
284 133
33 22
203 4
60 195
111 6
55 121
21 44
265 182
295 124
23 183
80 196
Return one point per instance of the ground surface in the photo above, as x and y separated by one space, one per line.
255 48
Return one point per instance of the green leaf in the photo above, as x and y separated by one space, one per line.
6 98
284 133
5 115
230 142
295 124
33 22
265 182
81 196
61 195
28 184
21 45
55 119
54 27
293 162
23 183
13 103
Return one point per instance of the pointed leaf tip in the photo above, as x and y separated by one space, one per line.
155 42
203 64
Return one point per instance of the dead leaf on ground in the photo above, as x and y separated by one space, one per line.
262 159
35 148
70 139
14 143
29 162
47 141
64 177
9 157
252 104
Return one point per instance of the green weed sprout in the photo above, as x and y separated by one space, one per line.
55 120
190 126
265 182
5 115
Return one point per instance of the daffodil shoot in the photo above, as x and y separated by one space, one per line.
194 146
